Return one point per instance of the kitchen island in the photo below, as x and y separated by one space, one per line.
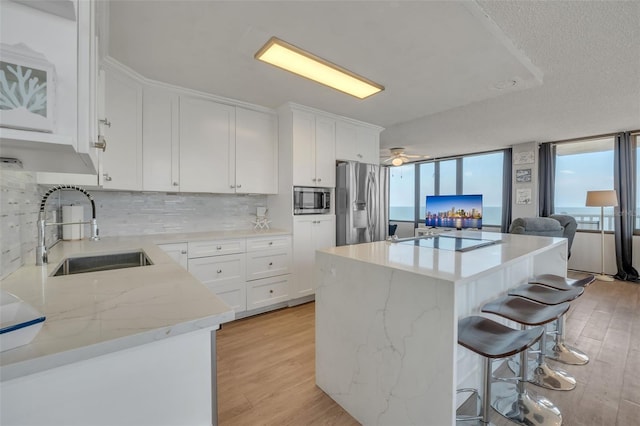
126 346
387 313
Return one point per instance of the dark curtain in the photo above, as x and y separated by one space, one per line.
624 217
506 191
546 177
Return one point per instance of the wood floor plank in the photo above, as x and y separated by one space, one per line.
266 366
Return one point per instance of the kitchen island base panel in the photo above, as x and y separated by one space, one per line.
166 382
386 336
382 337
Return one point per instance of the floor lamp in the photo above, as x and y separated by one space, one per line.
602 199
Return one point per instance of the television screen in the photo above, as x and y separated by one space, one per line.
454 211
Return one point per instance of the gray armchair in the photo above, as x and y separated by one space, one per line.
570 226
552 226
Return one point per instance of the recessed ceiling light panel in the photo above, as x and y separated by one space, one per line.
293 59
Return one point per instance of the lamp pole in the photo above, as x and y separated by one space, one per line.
602 276
602 199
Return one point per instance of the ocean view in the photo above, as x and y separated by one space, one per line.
491 215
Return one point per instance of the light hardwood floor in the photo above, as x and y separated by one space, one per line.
266 366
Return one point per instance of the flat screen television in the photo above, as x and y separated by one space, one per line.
454 211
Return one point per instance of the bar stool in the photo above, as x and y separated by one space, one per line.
530 313
561 283
559 351
493 340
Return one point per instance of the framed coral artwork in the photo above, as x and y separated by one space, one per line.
27 89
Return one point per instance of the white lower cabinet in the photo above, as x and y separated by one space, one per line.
223 275
310 234
178 252
251 273
268 291
268 271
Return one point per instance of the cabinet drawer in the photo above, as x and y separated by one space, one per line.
177 251
255 244
234 295
268 263
218 270
215 248
267 291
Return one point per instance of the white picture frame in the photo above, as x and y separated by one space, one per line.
523 196
523 175
526 157
27 89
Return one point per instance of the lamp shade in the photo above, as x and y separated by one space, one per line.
605 198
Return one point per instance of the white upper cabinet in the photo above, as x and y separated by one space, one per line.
313 139
59 52
207 146
160 141
256 152
122 160
357 142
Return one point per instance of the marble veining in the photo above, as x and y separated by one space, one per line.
386 346
102 312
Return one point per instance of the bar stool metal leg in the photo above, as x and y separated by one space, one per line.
547 377
525 407
563 353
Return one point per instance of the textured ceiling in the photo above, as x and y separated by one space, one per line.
576 64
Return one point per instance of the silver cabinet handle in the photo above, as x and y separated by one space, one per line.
270 263
232 186
101 144
238 186
270 291
359 155
183 252
219 271
219 248
314 179
107 177
105 121
175 183
270 243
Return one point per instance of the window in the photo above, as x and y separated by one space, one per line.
402 192
473 174
580 167
448 177
427 186
482 174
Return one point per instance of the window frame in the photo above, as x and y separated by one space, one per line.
459 182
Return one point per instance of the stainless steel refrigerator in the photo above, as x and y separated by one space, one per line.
361 203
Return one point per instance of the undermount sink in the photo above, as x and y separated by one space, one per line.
102 262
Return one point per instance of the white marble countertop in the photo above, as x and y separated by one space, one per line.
449 265
92 314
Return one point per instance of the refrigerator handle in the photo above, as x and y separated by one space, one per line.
371 199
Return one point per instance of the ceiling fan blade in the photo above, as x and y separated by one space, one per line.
388 159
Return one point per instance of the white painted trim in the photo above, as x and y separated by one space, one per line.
293 105
114 65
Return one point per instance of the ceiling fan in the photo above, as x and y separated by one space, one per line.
398 157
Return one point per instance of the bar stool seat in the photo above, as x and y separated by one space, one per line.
530 313
546 295
559 351
561 283
493 340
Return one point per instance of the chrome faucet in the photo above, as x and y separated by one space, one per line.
41 249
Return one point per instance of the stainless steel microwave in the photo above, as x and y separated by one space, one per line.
307 200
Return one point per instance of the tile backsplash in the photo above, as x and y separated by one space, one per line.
137 213
118 213
19 205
